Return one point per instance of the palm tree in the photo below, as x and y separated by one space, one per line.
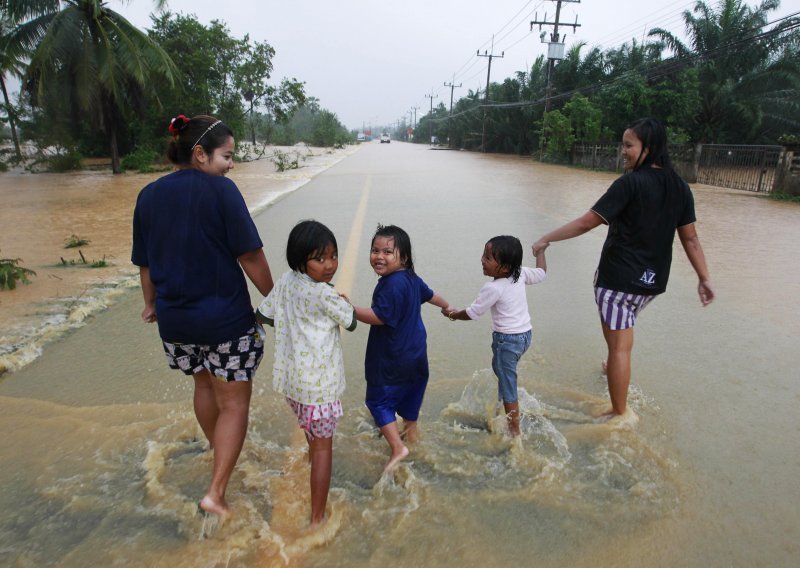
10 63
94 61
748 88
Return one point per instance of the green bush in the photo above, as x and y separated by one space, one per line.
11 273
74 241
142 160
66 162
284 162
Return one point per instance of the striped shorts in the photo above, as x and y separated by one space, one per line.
618 310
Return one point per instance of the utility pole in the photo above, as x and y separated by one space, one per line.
415 109
486 94
555 47
452 86
430 122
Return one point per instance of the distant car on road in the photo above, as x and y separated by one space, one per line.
385 138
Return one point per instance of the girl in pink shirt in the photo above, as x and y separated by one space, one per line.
505 297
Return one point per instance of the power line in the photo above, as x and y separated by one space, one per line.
654 72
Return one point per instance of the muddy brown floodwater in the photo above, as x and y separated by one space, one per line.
103 462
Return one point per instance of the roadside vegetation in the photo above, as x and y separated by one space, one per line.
96 86
736 80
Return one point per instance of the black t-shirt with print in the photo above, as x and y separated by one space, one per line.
643 209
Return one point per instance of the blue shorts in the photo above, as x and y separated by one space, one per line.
235 360
385 401
507 349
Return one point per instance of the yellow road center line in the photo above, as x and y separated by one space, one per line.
347 269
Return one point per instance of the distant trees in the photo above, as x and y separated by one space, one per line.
91 63
735 81
93 83
748 79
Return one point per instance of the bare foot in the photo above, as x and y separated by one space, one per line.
396 459
210 506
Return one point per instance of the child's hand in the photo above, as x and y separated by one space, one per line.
539 246
346 298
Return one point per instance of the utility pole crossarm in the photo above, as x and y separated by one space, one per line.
555 47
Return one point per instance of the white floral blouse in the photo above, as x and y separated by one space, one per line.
309 364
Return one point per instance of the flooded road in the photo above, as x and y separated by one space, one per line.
103 462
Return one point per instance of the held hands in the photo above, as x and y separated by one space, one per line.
448 312
539 246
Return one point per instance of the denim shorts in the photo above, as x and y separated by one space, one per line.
507 348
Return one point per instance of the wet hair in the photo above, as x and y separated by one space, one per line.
307 239
507 251
205 131
402 243
653 136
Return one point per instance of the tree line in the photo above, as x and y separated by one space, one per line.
736 80
92 84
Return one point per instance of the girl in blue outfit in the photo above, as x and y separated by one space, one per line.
643 210
396 362
194 241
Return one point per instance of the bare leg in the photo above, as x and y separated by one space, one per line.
620 345
399 450
321 451
512 415
233 399
410 431
205 404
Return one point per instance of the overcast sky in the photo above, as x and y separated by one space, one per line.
371 61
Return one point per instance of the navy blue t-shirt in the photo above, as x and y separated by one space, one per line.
189 228
397 351
643 209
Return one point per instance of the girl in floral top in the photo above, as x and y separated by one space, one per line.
306 312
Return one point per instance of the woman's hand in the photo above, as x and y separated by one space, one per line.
706 292
539 246
149 314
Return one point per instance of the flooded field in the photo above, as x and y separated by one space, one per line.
40 213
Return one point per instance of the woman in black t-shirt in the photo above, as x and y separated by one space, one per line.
643 209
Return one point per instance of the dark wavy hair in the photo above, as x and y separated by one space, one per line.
202 130
651 132
507 251
402 243
306 240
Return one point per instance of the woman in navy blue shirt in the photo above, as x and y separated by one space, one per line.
192 239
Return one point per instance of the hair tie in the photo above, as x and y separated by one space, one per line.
177 124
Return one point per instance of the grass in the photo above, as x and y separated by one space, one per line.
74 241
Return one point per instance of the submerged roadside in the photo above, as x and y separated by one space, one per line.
42 212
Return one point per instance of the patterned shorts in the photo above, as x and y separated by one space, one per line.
235 360
317 420
618 310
